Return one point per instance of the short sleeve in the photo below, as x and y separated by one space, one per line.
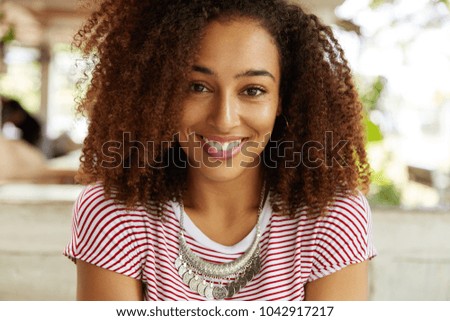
342 237
107 235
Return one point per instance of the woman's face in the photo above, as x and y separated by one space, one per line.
233 99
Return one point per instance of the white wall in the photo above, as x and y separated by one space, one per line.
32 238
413 261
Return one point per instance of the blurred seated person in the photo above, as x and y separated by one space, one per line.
13 112
20 161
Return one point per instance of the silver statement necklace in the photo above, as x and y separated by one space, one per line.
218 281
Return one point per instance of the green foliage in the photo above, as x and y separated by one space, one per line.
370 95
374 4
8 36
446 2
377 3
384 191
373 132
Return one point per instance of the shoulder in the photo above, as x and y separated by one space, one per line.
94 198
348 221
99 220
93 210
343 236
107 234
350 210
351 207
93 204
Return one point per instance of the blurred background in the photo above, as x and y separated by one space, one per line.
399 51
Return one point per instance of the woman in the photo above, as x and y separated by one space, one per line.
224 156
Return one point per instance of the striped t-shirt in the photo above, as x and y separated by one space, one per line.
293 250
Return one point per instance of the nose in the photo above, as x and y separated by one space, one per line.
224 113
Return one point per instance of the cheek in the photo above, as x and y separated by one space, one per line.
263 121
194 112
187 120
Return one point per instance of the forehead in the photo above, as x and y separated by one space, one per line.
239 43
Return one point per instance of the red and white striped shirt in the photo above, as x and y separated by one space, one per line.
293 250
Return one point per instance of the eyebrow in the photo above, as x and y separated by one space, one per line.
203 70
255 73
248 73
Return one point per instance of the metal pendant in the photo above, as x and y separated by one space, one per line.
202 287
257 264
209 292
249 274
178 262
242 281
182 270
219 292
195 282
187 277
233 288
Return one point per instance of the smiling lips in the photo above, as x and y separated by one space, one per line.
222 148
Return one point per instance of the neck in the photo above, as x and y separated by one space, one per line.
224 201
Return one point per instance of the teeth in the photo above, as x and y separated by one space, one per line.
222 146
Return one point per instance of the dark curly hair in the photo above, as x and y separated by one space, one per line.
143 51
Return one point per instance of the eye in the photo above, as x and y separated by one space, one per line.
198 88
254 91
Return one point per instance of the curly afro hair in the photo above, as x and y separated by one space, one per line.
143 52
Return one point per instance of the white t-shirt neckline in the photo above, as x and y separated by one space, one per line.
192 230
